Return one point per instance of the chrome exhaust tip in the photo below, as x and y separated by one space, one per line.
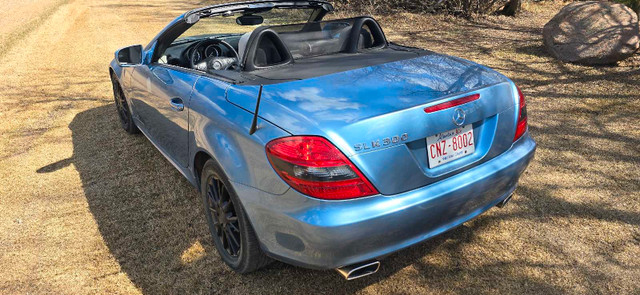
504 202
358 270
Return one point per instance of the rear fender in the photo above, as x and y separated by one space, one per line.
221 129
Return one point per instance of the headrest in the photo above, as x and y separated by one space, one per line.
242 45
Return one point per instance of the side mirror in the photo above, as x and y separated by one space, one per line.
129 56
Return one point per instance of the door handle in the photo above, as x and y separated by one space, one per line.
177 104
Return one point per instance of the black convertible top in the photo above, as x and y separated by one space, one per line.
323 65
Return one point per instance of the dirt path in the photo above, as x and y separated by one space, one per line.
51 241
87 209
18 18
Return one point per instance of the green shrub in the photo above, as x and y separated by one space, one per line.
456 7
633 4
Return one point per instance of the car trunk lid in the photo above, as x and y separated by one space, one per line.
376 116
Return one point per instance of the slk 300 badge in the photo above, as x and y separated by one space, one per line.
381 142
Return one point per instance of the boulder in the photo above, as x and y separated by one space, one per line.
592 33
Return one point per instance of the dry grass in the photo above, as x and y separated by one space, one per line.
87 209
18 18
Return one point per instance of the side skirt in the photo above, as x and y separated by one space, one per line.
183 170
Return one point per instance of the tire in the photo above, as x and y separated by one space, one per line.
217 196
122 106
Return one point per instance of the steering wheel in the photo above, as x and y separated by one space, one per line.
213 62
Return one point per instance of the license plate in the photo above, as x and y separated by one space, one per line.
450 145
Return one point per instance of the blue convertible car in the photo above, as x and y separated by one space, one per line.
314 140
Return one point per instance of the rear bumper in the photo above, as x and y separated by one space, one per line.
328 234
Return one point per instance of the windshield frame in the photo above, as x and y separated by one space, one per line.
182 23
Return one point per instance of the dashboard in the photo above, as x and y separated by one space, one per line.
180 52
206 51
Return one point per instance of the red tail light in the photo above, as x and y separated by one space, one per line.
521 127
315 167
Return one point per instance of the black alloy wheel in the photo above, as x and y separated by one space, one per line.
224 217
124 112
232 233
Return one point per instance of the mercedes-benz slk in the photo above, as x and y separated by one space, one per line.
316 141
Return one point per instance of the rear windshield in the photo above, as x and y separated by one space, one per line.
315 38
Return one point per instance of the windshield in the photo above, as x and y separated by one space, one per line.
227 24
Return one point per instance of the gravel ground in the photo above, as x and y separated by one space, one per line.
87 209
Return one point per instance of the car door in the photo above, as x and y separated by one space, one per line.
161 103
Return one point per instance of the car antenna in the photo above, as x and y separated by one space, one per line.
254 123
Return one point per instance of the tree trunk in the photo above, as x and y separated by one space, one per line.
511 8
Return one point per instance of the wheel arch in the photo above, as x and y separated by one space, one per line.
200 158
115 69
114 77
